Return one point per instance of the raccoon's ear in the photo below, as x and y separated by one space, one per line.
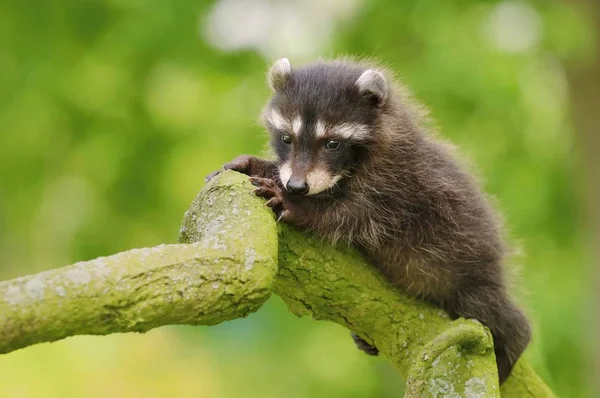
372 84
279 74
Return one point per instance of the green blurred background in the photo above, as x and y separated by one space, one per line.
112 112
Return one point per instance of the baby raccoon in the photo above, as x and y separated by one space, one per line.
355 163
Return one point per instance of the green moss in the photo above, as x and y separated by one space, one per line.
226 269
227 274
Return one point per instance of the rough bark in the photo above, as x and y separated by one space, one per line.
227 275
336 284
233 241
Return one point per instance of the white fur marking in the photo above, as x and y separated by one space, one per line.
320 129
297 125
320 180
277 121
281 67
285 173
279 73
351 130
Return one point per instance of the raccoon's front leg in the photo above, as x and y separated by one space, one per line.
268 189
249 165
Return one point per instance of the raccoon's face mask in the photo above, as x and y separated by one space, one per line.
320 120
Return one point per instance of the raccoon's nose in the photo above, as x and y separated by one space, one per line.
297 185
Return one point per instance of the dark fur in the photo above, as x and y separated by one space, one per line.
405 200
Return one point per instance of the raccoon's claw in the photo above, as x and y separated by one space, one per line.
284 215
275 201
268 189
364 346
265 182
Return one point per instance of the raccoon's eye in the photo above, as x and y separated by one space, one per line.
332 144
286 139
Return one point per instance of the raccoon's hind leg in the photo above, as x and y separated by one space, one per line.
362 345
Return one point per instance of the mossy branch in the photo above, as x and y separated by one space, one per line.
226 275
467 336
227 267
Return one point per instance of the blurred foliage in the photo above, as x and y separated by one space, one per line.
112 112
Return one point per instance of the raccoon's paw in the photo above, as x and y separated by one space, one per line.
241 164
362 345
268 189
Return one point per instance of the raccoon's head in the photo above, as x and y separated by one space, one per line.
322 118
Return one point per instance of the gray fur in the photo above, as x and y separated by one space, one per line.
404 200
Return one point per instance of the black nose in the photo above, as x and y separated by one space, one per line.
297 185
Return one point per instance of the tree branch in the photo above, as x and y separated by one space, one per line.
227 275
228 270
463 336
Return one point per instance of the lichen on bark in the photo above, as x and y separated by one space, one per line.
228 273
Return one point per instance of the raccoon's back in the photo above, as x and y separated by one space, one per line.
428 203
